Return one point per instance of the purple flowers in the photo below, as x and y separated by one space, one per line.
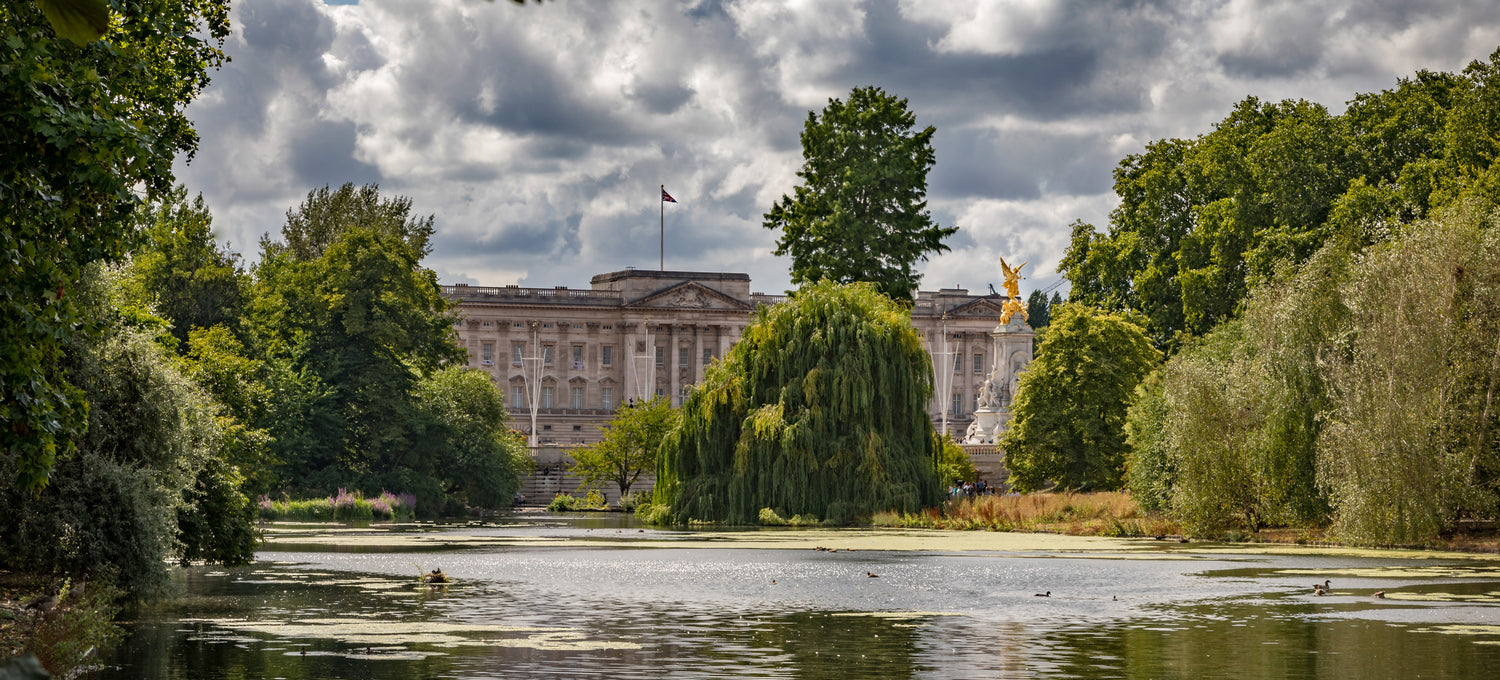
345 505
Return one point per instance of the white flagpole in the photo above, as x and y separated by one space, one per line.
661 203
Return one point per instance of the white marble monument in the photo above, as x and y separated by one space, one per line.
1012 352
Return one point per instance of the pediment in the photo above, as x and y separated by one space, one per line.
984 307
689 295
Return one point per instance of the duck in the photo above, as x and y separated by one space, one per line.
872 575
1380 594
1046 594
435 576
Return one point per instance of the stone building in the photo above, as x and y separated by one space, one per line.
638 333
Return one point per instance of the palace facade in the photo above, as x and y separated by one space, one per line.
579 354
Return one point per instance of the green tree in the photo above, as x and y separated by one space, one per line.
861 211
631 441
1202 221
83 129
820 410
955 467
148 481
327 214
1038 310
180 271
463 443
1069 411
349 334
1410 447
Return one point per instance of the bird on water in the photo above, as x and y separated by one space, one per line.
1046 594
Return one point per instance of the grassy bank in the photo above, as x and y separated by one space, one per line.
1078 514
343 506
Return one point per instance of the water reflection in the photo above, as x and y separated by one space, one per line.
557 610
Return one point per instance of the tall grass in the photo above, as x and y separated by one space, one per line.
1108 513
343 506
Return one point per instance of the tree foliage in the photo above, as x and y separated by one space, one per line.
1411 438
149 480
463 442
351 325
83 128
1202 221
1357 389
1068 416
181 273
819 410
629 447
861 212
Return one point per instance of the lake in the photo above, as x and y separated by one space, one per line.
548 596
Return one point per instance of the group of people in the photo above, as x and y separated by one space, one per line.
972 489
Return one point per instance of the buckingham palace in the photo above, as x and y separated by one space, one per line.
578 353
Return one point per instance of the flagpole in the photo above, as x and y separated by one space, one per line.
661 204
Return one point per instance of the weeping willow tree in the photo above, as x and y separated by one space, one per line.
819 410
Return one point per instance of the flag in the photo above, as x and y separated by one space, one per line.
666 197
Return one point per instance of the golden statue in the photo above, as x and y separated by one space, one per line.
1013 303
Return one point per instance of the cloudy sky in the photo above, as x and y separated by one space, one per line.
538 134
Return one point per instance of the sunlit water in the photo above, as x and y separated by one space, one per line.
547 597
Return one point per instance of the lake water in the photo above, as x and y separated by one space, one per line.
541 596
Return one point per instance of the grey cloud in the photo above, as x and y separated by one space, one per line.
323 153
663 99
1019 164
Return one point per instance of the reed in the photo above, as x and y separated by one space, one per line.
1107 513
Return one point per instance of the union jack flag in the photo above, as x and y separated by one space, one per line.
667 197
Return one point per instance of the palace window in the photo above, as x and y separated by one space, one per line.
547 354
607 398
708 357
488 353
607 355
516 398
958 363
681 395
577 397
516 350
682 356
546 397
661 356
978 363
958 403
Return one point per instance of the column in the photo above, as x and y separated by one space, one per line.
672 367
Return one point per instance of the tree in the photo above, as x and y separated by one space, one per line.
1410 445
1069 411
179 270
631 441
327 214
148 480
1038 309
861 211
349 331
83 130
463 443
820 410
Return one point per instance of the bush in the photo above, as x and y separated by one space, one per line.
593 502
633 500
656 515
